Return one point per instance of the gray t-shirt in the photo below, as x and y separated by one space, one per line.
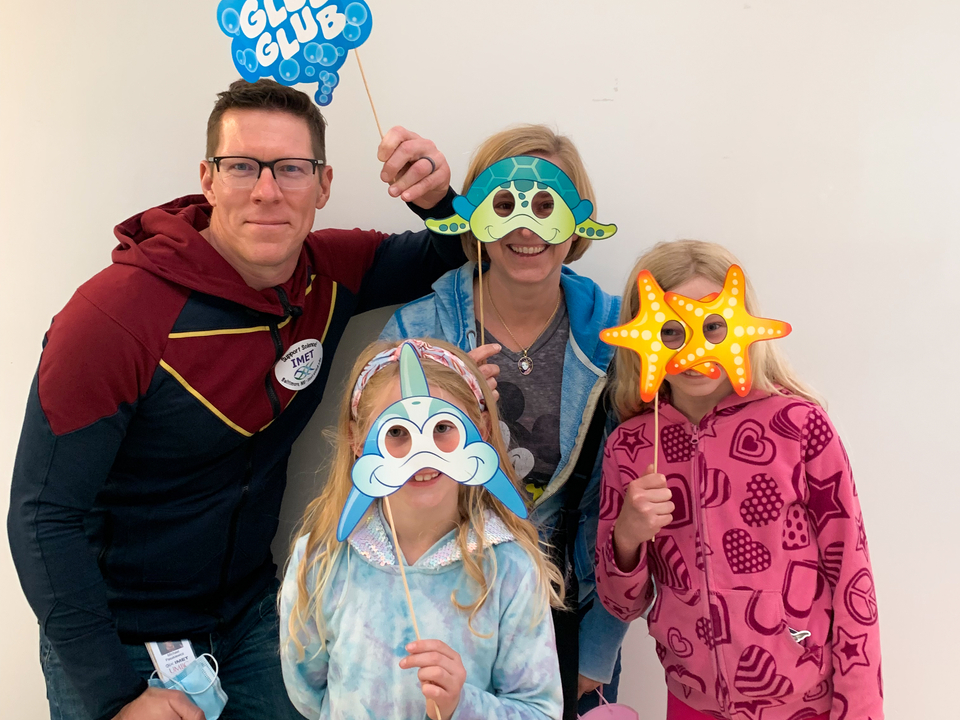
530 404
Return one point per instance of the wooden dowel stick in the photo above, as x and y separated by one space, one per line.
656 438
403 576
373 107
483 340
656 430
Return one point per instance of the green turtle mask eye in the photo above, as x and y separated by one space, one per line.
522 192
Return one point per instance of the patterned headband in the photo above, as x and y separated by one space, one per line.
437 354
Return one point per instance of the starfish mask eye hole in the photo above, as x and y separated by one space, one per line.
504 203
542 204
446 436
714 329
397 441
672 334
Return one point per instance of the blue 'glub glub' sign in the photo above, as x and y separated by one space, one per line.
294 41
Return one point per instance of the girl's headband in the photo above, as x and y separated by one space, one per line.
437 354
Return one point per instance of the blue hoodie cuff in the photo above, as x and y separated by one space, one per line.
601 635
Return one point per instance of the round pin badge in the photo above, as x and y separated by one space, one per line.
299 365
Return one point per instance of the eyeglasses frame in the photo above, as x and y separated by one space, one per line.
261 164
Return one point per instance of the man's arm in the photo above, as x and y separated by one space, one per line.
80 403
406 265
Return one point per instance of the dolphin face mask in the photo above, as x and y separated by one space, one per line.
441 438
522 192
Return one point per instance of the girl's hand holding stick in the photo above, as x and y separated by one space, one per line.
441 675
647 507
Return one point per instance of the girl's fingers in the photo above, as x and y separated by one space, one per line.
422 646
438 676
661 521
427 659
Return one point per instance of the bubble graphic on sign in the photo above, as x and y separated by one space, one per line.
293 41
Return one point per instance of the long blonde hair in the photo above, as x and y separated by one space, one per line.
322 514
531 140
672 264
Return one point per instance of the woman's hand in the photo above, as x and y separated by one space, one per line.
441 675
413 168
490 371
647 507
586 685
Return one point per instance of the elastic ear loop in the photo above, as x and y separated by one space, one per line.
216 673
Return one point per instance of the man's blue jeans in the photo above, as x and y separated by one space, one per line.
249 659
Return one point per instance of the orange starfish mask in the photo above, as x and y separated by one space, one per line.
656 334
723 330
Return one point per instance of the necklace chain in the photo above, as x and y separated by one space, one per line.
525 363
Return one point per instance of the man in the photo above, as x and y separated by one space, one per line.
171 387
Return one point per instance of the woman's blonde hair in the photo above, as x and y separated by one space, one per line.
322 514
672 264
531 140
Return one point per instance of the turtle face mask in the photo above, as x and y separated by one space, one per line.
522 192
523 204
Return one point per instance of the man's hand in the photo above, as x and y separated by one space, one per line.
647 507
490 371
408 172
586 685
441 675
160 704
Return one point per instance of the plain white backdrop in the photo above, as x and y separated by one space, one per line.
820 141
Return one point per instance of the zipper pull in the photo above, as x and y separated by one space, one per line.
695 438
284 301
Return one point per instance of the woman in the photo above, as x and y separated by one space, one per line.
546 320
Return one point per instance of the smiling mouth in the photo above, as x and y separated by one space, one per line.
527 249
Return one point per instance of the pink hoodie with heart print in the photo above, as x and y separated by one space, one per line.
765 606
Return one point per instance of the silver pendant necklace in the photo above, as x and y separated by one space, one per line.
525 362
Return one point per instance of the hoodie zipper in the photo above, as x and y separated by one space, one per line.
697 483
288 311
278 350
232 533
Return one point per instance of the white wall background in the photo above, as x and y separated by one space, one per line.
818 140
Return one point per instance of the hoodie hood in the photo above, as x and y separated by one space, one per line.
374 542
166 242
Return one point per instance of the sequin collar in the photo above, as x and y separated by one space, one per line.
373 541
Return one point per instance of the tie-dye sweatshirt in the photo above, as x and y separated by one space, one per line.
512 674
765 603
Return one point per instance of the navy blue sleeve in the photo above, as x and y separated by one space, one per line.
91 375
407 264
55 482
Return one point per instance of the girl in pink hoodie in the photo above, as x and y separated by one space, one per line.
747 549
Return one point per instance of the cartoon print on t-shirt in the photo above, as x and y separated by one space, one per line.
534 451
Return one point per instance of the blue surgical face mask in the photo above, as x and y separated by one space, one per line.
200 683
